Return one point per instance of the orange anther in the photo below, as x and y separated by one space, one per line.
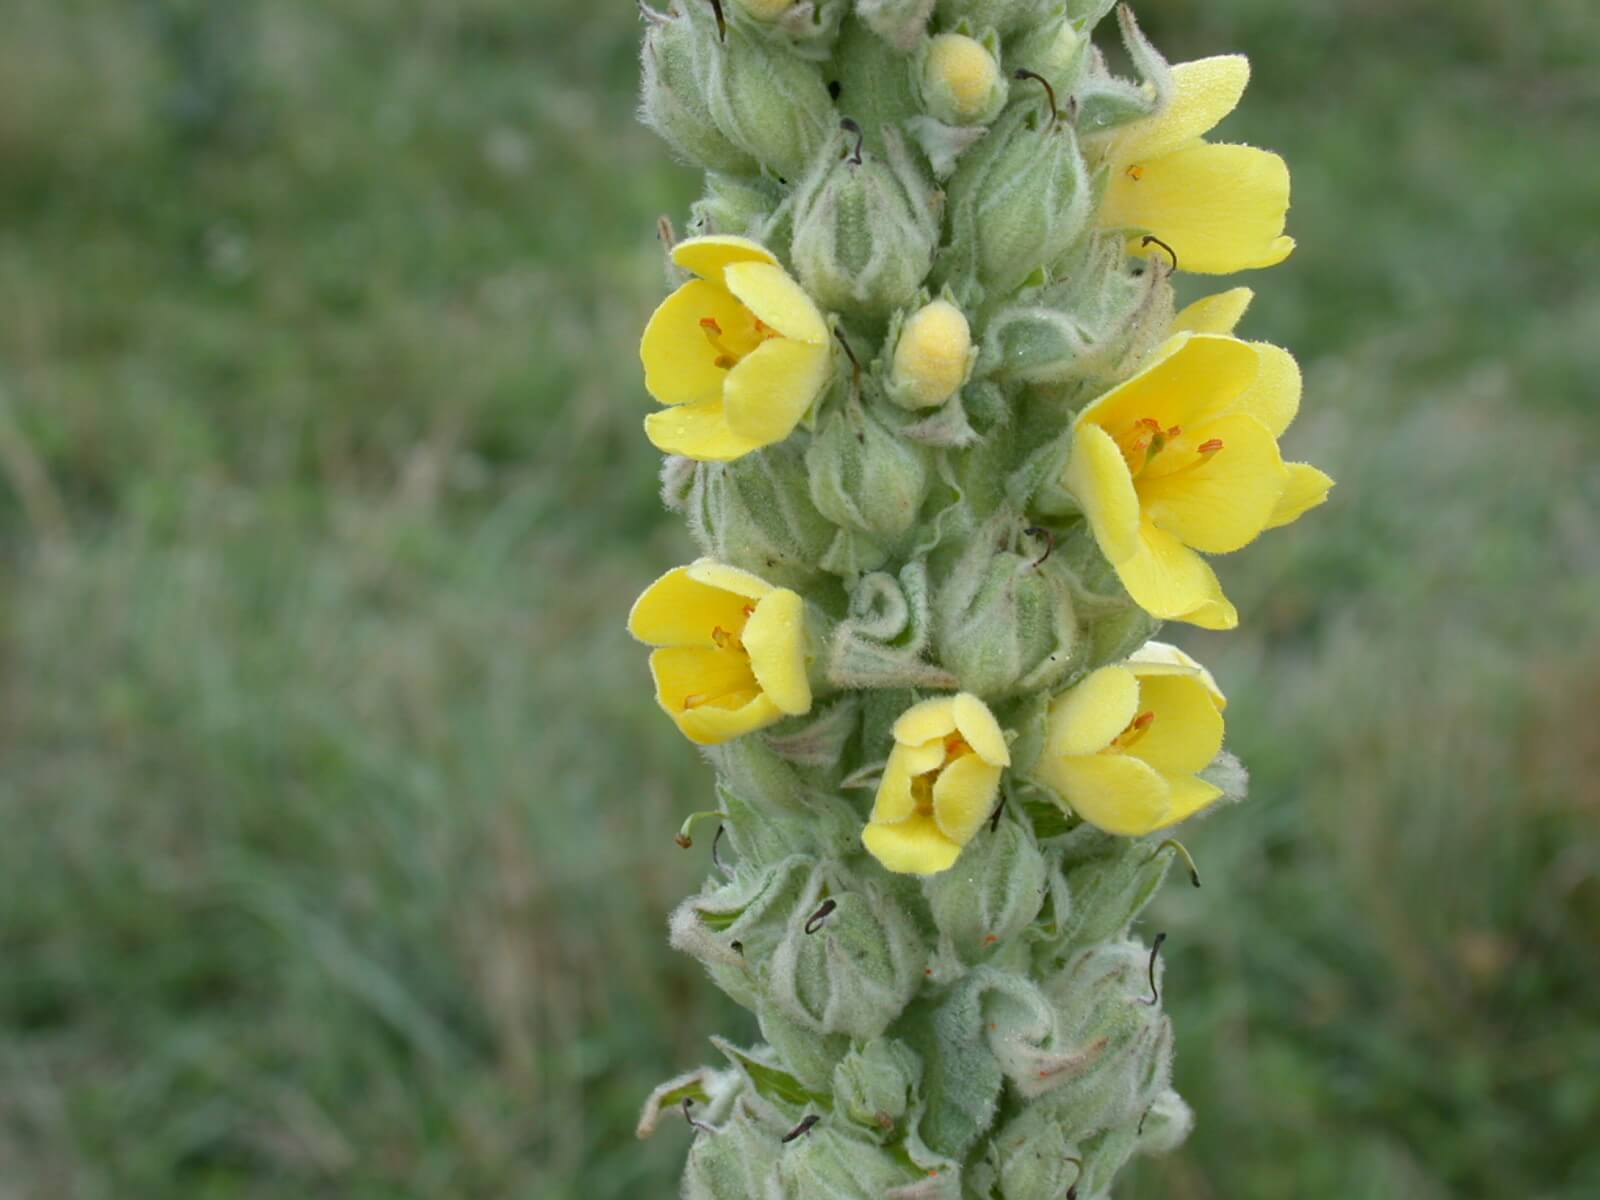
710 325
1210 447
1143 721
1135 172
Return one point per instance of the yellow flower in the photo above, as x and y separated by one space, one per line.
939 785
732 654
1220 207
1221 313
1122 748
932 357
738 355
1184 457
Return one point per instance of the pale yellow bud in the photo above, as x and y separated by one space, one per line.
961 81
931 358
765 10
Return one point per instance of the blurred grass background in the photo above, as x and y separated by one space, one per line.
336 822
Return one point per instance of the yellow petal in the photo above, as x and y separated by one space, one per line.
697 431
772 387
730 579
1097 476
1214 314
927 721
767 291
680 363
1169 580
1090 715
1195 377
1220 207
1205 91
1274 398
1112 792
1219 502
912 847
711 693
894 801
775 639
680 610
709 257
1219 614
1186 733
981 731
711 726
964 797
1308 487
1163 658
1188 796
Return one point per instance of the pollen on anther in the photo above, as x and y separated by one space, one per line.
1135 172
1210 447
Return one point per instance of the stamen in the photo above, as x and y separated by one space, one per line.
1024 73
803 1128
1135 172
1136 729
1151 240
815 920
696 1125
1208 448
1155 949
722 22
955 746
850 127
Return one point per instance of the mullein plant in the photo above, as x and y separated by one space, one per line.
951 457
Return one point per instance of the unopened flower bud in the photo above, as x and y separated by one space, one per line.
736 205
1018 199
1036 1158
1004 16
900 23
961 80
676 57
1002 623
932 357
993 891
1055 51
733 1162
755 512
770 103
865 229
824 1164
875 1085
865 478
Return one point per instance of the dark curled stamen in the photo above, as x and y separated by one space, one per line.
701 1126
1151 239
800 1130
722 22
1155 949
834 89
994 819
1024 73
738 947
1039 531
815 920
716 840
1139 1132
850 127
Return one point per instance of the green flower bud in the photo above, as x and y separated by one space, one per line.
992 892
901 23
865 229
1109 880
1004 623
672 99
875 80
1018 200
875 1085
770 103
1054 50
1035 1157
827 1164
733 1162
932 356
735 205
1104 1007
850 959
756 513
1004 16
961 80
866 479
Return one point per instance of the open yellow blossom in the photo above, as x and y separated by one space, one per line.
1184 457
1123 747
738 355
732 650
1219 207
939 785
1221 313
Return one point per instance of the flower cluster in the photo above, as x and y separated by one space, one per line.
951 454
